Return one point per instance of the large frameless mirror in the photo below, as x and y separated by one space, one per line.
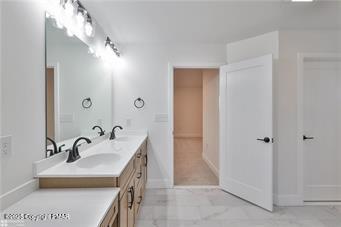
78 89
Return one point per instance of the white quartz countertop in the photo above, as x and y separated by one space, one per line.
106 159
75 207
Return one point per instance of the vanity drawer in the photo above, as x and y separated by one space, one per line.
127 172
110 217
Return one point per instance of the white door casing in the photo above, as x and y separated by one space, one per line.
246 114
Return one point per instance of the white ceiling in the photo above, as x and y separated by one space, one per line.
216 22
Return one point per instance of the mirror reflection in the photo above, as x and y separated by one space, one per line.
78 90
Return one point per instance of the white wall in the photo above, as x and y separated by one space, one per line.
211 118
146 75
290 43
23 89
188 103
253 47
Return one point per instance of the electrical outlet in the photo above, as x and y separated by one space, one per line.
6 145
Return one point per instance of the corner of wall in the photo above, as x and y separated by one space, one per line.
253 47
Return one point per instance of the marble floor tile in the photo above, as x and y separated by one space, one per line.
176 212
222 213
189 207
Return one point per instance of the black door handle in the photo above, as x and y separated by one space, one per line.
265 140
307 137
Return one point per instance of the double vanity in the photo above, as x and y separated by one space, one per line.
105 187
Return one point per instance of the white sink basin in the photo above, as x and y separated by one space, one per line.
104 159
124 138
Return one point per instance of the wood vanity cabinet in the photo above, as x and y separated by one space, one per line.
132 183
132 195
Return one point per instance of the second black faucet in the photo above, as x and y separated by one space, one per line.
74 153
112 134
101 131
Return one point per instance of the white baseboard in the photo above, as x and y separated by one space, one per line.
158 183
210 164
18 193
288 200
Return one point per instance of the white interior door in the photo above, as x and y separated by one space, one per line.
321 128
246 130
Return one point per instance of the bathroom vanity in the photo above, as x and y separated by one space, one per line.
120 163
65 207
79 107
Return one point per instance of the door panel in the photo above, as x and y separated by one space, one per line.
247 163
322 121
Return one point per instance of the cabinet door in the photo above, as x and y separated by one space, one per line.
124 210
127 208
139 198
144 164
131 203
139 175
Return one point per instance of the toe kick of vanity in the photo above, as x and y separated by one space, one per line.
131 181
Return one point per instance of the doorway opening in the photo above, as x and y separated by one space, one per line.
196 126
52 102
320 125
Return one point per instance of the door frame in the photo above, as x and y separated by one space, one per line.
171 67
55 67
301 57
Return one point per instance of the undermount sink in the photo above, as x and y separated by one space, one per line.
95 160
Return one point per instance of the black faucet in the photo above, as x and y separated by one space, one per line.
101 132
54 151
73 153
112 134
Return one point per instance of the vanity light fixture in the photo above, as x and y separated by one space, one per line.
69 7
112 46
302 0
81 16
88 28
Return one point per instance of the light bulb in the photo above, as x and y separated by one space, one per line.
80 18
91 51
108 48
88 28
97 54
58 23
69 8
48 15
